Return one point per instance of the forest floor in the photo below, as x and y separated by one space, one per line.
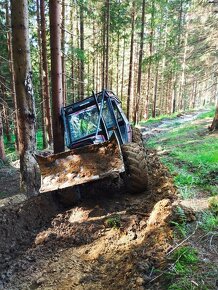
159 239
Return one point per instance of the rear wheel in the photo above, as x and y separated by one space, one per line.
136 174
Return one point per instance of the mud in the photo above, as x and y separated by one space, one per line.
44 246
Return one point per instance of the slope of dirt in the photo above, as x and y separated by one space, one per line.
198 235
45 247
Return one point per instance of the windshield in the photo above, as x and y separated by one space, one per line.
83 123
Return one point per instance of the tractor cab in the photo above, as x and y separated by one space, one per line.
99 137
94 119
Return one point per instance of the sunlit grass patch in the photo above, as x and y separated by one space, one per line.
209 114
10 151
209 221
157 119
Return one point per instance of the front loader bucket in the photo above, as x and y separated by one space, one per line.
80 165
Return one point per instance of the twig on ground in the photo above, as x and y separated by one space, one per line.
183 241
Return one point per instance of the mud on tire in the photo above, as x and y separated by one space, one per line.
136 176
137 136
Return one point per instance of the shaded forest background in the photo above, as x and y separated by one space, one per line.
158 56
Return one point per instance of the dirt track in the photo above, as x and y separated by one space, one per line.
44 246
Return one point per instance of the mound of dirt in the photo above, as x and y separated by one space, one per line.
108 241
20 223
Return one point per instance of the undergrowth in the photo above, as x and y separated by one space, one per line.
113 222
158 118
191 154
10 151
183 262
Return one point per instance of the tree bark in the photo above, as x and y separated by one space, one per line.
2 149
155 92
12 75
131 61
214 125
72 55
149 64
56 74
82 67
24 94
107 4
46 92
138 92
123 64
103 52
39 38
118 56
63 53
5 109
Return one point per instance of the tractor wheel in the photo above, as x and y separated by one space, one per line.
137 136
136 175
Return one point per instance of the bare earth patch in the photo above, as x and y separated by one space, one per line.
44 247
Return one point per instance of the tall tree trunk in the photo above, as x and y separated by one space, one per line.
149 64
103 50
155 92
107 4
82 67
78 60
39 38
63 53
123 68
138 92
56 74
46 92
24 93
94 57
72 55
131 61
2 148
182 83
97 74
5 109
214 125
118 56
12 74
174 94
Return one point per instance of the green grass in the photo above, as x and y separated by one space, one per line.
209 114
113 222
209 221
157 119
180 226
183 265
187 272
191 156
10 151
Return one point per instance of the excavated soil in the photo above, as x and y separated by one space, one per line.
109 240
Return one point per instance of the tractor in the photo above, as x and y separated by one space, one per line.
101 143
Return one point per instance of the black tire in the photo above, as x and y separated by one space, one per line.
137 136
136 174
